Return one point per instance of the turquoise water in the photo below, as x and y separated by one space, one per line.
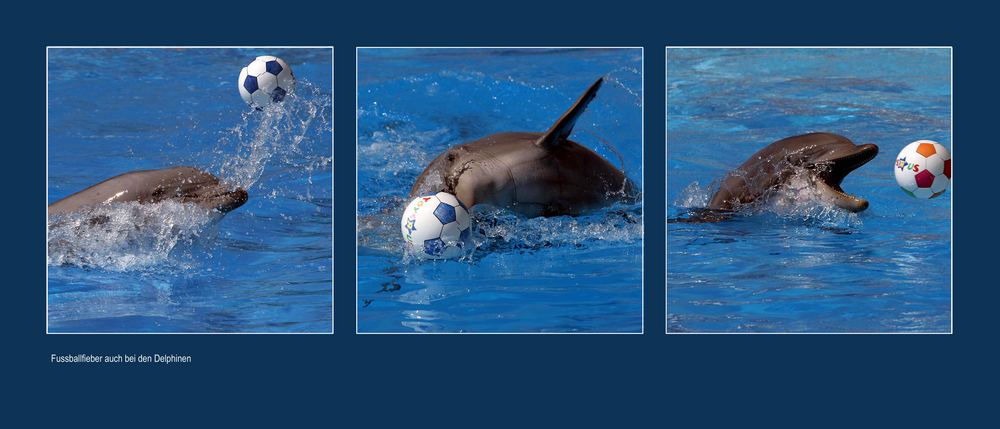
265 267
559 274
806 267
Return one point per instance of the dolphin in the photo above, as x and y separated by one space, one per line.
181 184
827 158
534 174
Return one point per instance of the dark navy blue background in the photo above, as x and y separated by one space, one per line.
652 379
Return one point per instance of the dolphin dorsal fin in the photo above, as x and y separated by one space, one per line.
564 126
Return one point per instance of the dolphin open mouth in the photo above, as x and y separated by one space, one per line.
832 173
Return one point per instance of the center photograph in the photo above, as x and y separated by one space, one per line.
499 190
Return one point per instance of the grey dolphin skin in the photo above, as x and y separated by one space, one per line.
181 184
827 157
534 174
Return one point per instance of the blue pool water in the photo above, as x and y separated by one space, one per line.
265 267
804 267
559 274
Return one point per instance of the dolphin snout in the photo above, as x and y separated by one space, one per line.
869 147
232 200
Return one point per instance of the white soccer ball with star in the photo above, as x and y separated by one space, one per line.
266 80
923 169
437 227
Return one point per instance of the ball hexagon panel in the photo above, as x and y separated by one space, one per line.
260 98
451 233
462 218
923 193
933 164
447 198
940 184
918 160
452 251
286 79
942 151
256 68
267 82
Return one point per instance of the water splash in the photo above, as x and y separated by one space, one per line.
272 138
130 236
615 78
694 196
796 200
500 230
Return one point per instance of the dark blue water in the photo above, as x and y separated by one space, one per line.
560 274
806 267
265 267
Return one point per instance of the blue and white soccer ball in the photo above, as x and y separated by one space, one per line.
437 227
266 80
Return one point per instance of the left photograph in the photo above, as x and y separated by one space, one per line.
189 190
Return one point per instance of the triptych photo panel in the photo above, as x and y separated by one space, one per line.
808 190
499 190
190 190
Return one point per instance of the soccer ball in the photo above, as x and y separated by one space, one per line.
266 80
923 169
436 227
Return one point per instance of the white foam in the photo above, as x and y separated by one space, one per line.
129 236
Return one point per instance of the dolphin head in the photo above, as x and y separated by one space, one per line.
191 185
832 157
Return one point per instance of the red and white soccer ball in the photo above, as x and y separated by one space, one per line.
436 227
923 169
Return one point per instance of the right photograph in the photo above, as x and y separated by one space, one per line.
809 190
